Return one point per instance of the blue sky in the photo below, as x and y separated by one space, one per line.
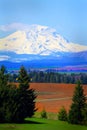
68 17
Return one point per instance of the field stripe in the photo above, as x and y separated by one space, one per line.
54 99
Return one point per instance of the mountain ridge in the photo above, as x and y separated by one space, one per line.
41 47
38 40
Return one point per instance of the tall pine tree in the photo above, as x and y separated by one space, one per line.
77 110
26 97
6 97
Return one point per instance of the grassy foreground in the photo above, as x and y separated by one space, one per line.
42 124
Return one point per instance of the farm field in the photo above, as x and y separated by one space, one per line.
52 96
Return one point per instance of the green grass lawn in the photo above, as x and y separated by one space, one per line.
42 124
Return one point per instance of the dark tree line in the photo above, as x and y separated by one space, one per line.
52 77
16 103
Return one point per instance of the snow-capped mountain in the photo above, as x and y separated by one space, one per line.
41 47
38 40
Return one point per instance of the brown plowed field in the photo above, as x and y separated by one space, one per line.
52 96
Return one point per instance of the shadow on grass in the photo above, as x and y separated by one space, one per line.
26 121
32 122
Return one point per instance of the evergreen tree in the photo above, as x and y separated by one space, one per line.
5 97
62 114
43 114
26 97
3 94
77 109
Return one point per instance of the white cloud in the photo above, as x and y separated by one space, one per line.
4 57
21 26
13 27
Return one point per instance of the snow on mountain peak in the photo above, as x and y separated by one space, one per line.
37 39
